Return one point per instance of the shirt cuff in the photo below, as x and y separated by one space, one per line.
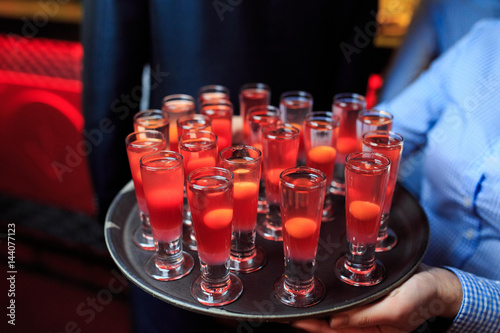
480 310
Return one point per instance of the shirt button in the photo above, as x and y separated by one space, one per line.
467 202
469 234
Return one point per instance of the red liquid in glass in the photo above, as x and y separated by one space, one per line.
279 154
245 205
198 157
347 138
135 151
214 95
176 109
323 159
165 200
390 148
363 222
301 222
296 110
212 216
248 99
221 116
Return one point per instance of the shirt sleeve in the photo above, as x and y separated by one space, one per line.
480 310
421 104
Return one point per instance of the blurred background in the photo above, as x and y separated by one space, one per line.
65 278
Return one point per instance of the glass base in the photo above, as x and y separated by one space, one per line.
169 272
269 232
210 298
386 242
249 264
143 242
299 299
358 278
188 238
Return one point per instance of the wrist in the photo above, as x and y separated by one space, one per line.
448 291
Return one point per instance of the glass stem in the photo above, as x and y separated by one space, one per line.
360 258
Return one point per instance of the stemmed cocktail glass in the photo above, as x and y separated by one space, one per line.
163 182
258 118
210 196
244 162
303 192
139 144
346 106
320 135
152 120
372 120
280 149
294 106
221 113
366 178
212 92
174 107
198 149
252 94
390 144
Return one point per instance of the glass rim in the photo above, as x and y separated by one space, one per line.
391 134
323 115
296 93
194 116
386 114
184 97
381 161
255 85
264 108
254 160
197 134
349 95
287 126
219 107
161 153
156 134
227 174
154 113
303 170
216 87
216 102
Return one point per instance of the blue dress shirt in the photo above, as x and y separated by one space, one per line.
450 120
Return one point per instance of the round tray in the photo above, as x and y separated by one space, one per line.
257 302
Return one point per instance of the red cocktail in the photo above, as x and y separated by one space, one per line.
199 150
152 120
212 92
389 144
346 106
244 162
372 120
366 175
258 118
294 106
176 106
252 94
163 181
139 144
192 123
210 196
303 193
320 136
221 113
280 149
